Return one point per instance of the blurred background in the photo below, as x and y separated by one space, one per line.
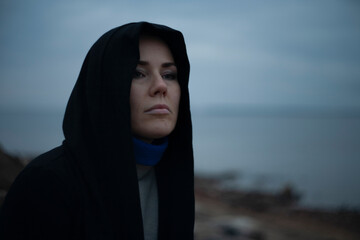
275 85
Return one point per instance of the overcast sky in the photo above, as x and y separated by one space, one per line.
246 53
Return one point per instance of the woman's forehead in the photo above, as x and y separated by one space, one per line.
151 48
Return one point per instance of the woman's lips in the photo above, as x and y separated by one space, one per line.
158 109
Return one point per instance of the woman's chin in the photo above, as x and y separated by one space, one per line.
154 133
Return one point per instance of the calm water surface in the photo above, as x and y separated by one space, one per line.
320 157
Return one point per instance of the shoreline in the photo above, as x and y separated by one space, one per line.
227 213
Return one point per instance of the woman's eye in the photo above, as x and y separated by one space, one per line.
170 76
138 74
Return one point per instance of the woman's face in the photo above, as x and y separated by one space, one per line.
155 91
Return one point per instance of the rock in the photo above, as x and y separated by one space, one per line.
230 231
10 166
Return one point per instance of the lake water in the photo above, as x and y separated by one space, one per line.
318 156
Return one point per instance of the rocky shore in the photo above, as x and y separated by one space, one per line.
225 213
10 166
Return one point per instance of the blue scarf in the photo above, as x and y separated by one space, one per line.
149 154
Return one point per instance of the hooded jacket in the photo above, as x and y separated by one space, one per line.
87 188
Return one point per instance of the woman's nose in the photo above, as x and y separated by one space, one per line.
158 86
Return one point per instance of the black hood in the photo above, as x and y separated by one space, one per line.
98 139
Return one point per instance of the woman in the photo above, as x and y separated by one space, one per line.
125 168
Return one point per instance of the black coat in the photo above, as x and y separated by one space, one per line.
87 188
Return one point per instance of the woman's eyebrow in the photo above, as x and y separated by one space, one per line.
167 64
